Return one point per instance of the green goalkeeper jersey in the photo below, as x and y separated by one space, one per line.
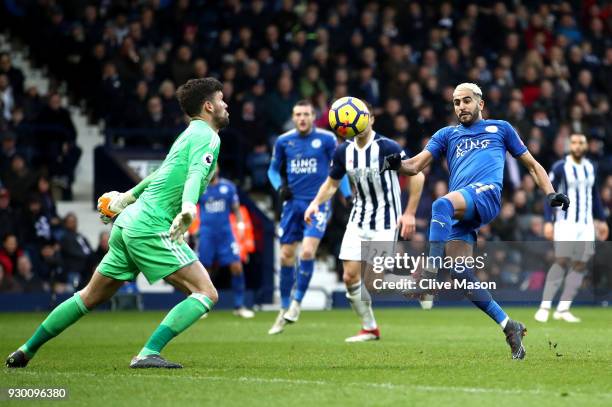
182 177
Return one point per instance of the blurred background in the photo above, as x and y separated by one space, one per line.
87 105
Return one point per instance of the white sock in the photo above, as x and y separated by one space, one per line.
573 282
361 305
554 279
504 323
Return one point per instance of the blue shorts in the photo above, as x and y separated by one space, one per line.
219 246
483 205
292 226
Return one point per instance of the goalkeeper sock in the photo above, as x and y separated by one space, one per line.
64 315
181 317
238 289
287 279
304 275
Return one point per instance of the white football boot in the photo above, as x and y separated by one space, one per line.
542 315
566 316
279 324
245 313
293 313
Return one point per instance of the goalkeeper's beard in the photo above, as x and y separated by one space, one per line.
221 121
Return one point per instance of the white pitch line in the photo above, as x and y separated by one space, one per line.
390 386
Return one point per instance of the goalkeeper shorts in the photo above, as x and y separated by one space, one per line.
154 254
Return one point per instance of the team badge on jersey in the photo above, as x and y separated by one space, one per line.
223 189
491 129
207 159
316 143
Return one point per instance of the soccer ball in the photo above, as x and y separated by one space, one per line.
348 116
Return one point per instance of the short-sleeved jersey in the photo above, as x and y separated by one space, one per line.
182 177
216 205
476 153
306 159
377 204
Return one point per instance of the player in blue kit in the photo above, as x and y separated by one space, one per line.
475 150
217 241
304 155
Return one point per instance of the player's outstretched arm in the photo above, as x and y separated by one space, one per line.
411 166
543 182
326 191
407 222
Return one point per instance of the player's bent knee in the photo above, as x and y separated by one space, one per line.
210 293
307 254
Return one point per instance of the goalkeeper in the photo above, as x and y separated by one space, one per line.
147 236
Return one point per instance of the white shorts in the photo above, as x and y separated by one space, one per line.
354 235
575 241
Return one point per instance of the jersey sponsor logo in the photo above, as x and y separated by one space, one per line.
467 145
215 206
303 166
207 159
491 129
316 143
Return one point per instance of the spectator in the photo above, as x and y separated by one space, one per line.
10 220
7 283
10 254
50 268
19 180
26 279
76 252
102 247
14 75
279 105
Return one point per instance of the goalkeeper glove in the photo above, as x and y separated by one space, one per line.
113 203
182 221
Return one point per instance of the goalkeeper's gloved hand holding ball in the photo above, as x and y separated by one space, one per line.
182 221
113 203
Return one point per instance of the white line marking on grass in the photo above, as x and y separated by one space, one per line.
273 380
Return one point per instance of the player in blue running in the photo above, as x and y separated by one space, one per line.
475 150
303 155
217 241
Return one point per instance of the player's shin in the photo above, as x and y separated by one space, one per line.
362 304
64 315
554 279
439 228
181 317
304 275
238 287
573 281
481 297
287 279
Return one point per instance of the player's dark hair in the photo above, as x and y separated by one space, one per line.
304 102
193 93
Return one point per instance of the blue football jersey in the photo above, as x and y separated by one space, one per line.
306 159
216 205
476 153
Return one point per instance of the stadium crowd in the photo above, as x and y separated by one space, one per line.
544 66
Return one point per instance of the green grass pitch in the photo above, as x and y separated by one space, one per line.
452 357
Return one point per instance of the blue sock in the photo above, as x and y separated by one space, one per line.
481 297
303 278
442 212
287 278
238 288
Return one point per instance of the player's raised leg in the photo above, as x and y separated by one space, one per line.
482 298
99 289
360 300
193 280
304 275
287 280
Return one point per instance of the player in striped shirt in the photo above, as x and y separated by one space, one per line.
573 230
147 235
376 213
